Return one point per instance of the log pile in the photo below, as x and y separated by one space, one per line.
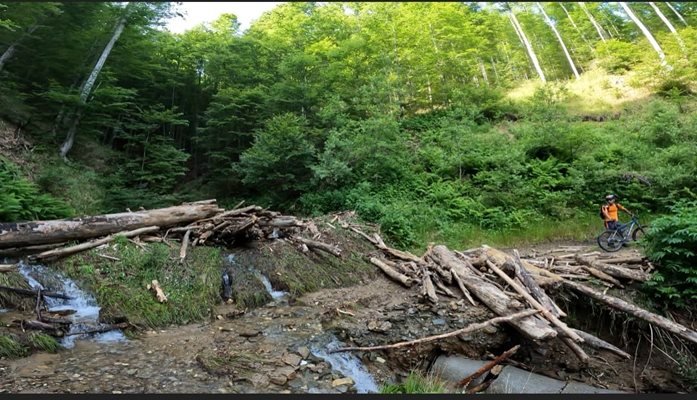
510 284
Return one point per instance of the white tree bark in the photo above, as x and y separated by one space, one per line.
561 42
669 25
87 85
646 33
593 21
575 26
10 51
528 46
676 13
483 70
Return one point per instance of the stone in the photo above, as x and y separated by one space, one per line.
438 321
278 379
341 382
249 333
291 359
304 352
288 372
380 360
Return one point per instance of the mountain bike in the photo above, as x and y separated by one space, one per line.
613 239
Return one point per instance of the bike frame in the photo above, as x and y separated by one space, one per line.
625 230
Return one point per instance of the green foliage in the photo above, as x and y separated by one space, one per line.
671 242
43 342
617 56
10 348
415 383
21 200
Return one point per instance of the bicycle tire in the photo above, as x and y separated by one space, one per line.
610 241
638 233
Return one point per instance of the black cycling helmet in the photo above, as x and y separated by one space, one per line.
611 196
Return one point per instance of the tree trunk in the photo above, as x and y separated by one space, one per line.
561 42
576 27
528 46
10 51
86 88
646 33
496 300
593 21
483 70
62 230
57 253
668 24
677 13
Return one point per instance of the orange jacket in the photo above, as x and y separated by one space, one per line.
610 211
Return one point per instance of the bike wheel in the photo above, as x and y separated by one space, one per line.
610 241
638 233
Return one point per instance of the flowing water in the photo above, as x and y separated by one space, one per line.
345 362
275 294
86 314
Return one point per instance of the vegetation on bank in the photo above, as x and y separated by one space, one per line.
416 383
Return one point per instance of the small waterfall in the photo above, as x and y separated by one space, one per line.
275 294
87 311
346 363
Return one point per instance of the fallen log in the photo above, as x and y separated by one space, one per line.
547 314
541 275
64 230
34 293
442 287
8 267
26 250
159 293
66 251
468 329
404 255
601 275
488 366
600 344
185 245
427 289
103 329
614 302
333 250
578 351
613 270
39 326
535 290
494 298
396 276
463 289
624 260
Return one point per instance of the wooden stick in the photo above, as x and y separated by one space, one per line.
358 231
428 290
462 287
66 251
598 343
403 279
333 250
614 302
468 329
122 325
582 356
601 275
185 245
614 270
442 287
486 367
404 255
535 290
159 293
554 320
8 267
109 257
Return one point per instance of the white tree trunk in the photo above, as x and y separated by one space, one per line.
575 26
646 33
669 25
483 70
676 13
86 87
561 42
493 66
593 21
528 46
10 51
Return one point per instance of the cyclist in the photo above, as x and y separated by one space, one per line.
610 211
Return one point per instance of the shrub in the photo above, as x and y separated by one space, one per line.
672 243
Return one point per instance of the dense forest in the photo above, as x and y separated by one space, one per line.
440 121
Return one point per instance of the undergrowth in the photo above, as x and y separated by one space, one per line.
416 383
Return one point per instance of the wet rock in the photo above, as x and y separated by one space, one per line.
341 382
288 372
291 359
380 360
249 333
379 326
304 352
278 379
438 321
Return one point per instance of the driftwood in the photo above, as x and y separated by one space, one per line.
427 289
8 267
34 293
488 366
159 293
535 290
614 302
462 287
601 275
541 275
103 329
63 230
333 250
494 298
66 251
26 250
582 356
404 255
468 329
39 326
185 245
389 271
547 314
600 344
613 270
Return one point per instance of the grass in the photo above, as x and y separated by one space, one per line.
13 300
10 348
43 342
192 288
416 383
